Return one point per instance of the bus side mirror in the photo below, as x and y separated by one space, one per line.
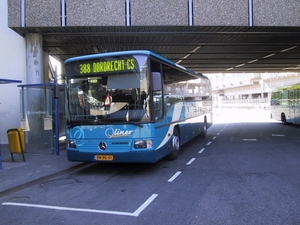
156 81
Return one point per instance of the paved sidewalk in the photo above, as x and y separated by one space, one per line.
39 164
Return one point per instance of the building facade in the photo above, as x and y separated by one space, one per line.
13 67
248 90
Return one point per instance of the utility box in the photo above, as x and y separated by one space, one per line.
16 142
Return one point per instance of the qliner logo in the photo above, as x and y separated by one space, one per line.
114 133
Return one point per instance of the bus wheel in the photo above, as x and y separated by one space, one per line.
204 131
283 118
176 145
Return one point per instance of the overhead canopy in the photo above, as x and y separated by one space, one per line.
203 49
7 81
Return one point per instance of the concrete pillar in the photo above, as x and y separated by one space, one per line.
35 95
34 58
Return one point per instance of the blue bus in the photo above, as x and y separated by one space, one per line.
133 106
285 104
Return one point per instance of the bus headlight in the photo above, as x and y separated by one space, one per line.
143 144
71 144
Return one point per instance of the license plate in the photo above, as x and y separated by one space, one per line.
104 157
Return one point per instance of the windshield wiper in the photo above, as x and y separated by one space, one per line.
122 120
134 123
84 117
90 119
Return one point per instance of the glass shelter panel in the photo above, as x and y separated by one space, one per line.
37 113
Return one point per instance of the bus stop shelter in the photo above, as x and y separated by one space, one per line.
6 81
49 111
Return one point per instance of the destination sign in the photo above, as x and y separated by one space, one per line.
96 66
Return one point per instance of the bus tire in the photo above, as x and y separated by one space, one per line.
204 130
283 118
176 145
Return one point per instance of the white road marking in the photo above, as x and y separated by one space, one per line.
218 133
208 143
250 139
191 161
145 204
202 150
214 137
174 176
135 213
278 135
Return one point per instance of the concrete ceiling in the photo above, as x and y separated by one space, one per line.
202 49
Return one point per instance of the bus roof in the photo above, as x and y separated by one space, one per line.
135 52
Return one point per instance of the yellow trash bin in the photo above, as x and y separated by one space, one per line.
16 141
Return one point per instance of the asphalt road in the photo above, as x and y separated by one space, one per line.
246 171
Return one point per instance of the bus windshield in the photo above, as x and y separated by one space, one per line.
102 98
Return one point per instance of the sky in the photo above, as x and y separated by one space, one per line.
56 63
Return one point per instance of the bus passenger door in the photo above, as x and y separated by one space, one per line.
295 103
157 94
297 106
292 106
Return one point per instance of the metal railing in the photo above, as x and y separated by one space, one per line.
246 101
